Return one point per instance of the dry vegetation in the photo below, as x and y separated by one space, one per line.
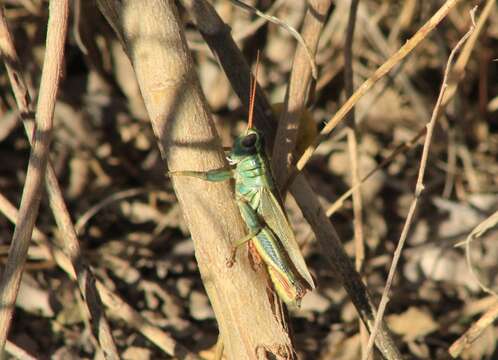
128 226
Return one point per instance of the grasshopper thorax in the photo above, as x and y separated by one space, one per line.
249 144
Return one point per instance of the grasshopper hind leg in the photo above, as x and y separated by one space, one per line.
252 222
290 292
239 243
254 257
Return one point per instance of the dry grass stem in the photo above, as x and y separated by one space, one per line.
99 324
352 140
490 223
340 264
307 51
126 262
419 188
258 23
28 211
374 34
463 59
297 90
10 212
453 83
387 66
401 148
474 332
217 35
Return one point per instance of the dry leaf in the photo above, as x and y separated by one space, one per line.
33 299
412 324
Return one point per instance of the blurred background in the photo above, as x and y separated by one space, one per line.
131 229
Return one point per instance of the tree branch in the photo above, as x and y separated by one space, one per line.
216 33
155 43
297 90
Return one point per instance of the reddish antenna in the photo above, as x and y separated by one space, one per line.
254 85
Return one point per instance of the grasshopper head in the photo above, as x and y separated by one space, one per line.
248 144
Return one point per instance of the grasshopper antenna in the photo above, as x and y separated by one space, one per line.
254 85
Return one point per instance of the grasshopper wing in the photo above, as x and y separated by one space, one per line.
275 218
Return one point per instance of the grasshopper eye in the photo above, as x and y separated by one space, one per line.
249 141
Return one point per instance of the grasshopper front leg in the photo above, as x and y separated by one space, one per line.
211 175
215 176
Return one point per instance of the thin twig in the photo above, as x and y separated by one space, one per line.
402 52
30 202
477 232
405 146
451 171
10 211
474 332
348 57
297 90
100 327
295 34
352 139
374 34
255 25
419 188
464 56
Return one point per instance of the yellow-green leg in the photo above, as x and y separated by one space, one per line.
211 175
239 243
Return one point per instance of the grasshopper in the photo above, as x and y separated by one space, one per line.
257 199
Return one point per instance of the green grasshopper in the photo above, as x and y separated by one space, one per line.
269 229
